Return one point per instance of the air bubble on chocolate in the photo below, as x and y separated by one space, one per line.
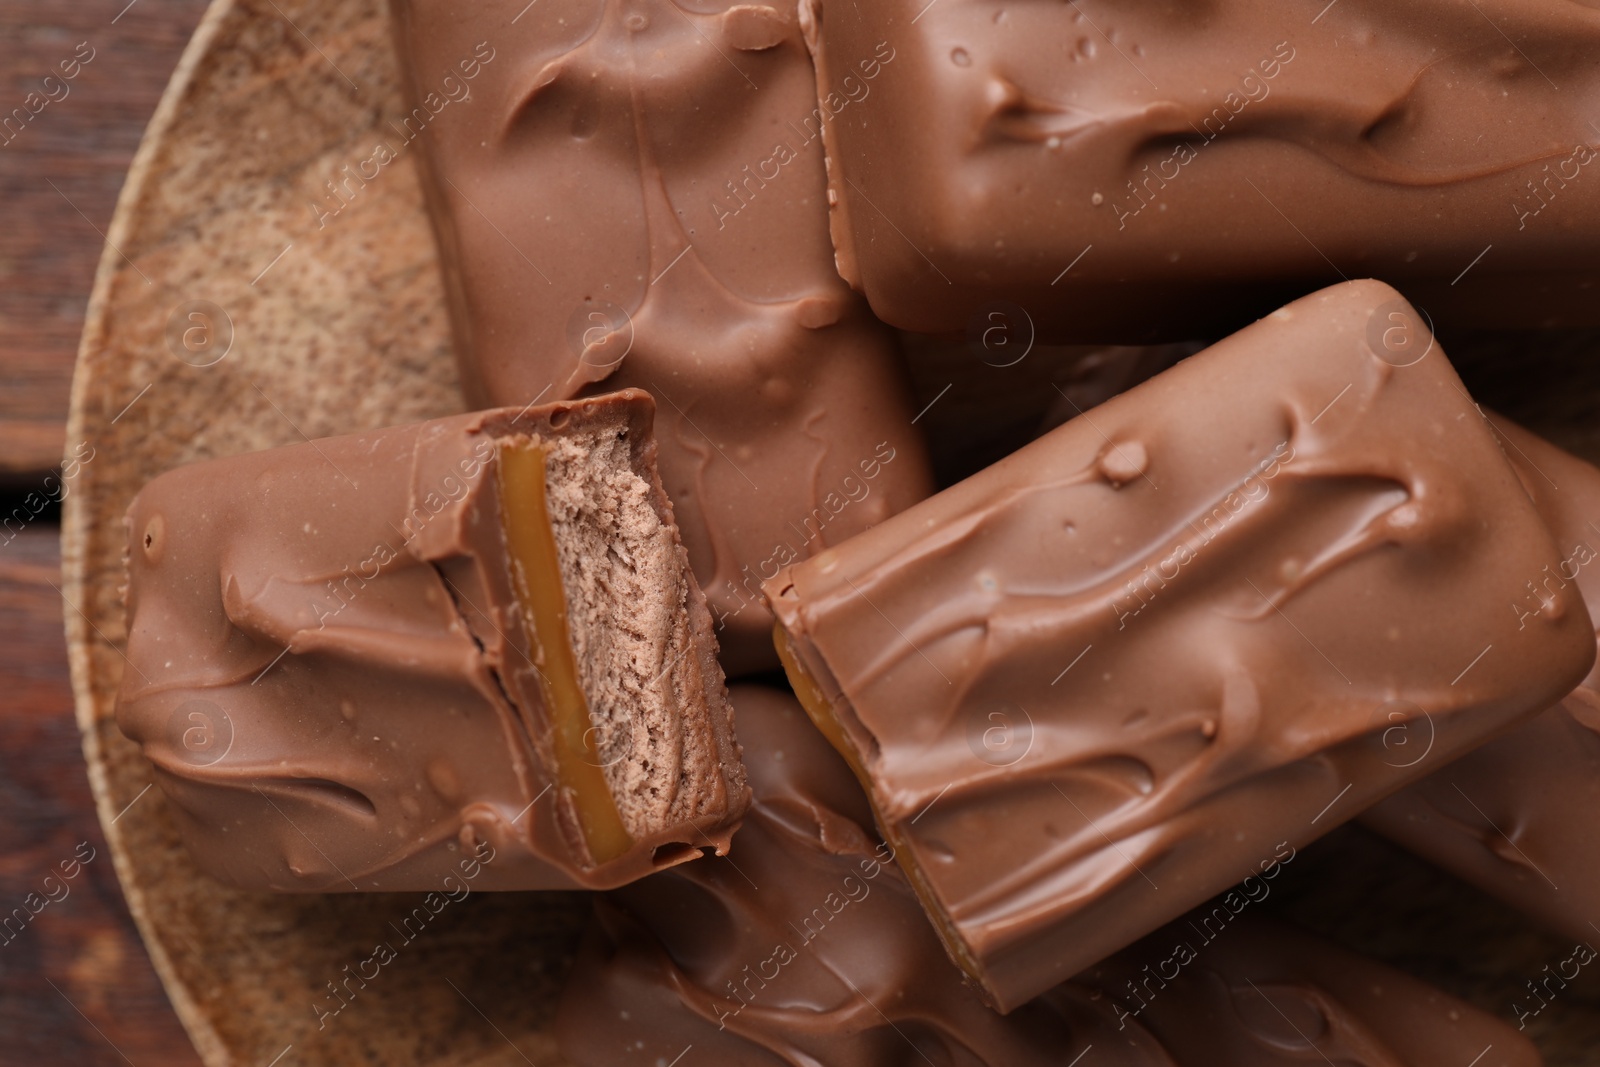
777 391
1405 517
815 312
442 776
754 27
1122 462
1554 609
348 710
960 57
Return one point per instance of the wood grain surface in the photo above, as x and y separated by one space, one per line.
61 165
76 987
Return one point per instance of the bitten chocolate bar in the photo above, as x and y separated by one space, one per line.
1520 816
353 661
1118 670
1129 172
632 197
807 947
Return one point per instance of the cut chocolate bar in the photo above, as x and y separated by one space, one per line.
355 661
808 947
629 195
1520 816
1108 676
1126 172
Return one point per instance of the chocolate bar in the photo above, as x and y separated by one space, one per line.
1517 817
359 663
621 201
807 946
1122 668
1130 173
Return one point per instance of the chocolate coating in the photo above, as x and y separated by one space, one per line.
870 986
613 210
1125 172
1104 678
806 946
328 669
1520 816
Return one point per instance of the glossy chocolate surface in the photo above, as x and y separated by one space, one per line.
806 947
1115 672
327 667
1129 171
631 197
1520 816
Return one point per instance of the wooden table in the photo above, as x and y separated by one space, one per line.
76 987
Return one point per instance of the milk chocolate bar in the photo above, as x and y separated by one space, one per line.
356 663
807 946
627 195
1115 672
1129 172
1520 816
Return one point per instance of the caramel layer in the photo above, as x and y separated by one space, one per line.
531 548
820 710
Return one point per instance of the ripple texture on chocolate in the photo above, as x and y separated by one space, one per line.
807 947
1169 169
1520 816
804 947
333 668
632 193
1100 680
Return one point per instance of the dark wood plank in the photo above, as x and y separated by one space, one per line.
76 986
60 171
